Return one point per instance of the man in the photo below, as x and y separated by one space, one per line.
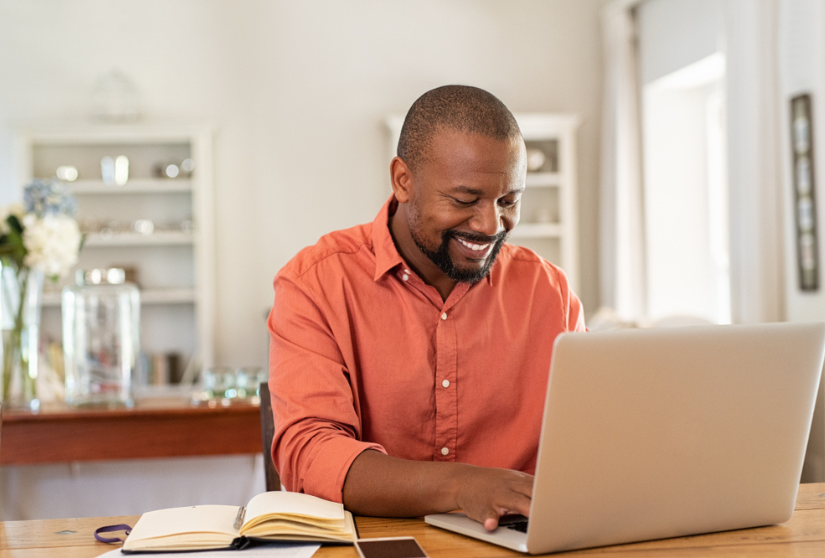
410 356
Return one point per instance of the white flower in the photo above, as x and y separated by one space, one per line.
52 243
15 209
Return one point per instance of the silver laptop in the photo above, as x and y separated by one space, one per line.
659 433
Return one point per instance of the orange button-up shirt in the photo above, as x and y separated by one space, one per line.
364 354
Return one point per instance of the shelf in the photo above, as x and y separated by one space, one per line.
172 259
537 230
147 296
138 186
133 239
167 296
543 179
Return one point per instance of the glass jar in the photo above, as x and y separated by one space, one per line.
101 337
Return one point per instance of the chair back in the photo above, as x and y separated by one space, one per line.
273 481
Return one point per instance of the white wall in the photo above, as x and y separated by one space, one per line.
676 33
297 91
802 59
802 55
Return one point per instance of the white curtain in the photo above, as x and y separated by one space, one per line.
622 261
754 172
754 161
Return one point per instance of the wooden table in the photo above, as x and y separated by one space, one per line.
153 428
802 536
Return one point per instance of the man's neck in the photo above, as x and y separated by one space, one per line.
417 260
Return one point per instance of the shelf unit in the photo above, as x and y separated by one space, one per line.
549 208
135 239
175 262
137 186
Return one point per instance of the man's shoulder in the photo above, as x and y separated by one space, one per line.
328 249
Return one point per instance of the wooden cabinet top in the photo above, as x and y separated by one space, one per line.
151 429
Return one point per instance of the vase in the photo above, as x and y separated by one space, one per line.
21 297
101 338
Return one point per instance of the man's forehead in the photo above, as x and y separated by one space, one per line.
452 144
476 165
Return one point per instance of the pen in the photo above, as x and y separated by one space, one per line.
239 517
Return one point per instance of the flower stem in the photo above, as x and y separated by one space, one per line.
15 337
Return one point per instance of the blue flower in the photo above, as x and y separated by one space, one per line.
48 197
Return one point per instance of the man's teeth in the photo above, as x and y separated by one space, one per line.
471 246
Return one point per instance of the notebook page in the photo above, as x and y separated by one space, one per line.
293 503
191 519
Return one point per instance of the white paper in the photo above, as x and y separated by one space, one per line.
286 550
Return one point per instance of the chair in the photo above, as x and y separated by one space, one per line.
273 481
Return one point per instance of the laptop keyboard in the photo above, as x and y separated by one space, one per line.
520 526
514 522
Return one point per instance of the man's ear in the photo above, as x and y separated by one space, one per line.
402 180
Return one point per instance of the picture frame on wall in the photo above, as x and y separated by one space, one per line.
804 186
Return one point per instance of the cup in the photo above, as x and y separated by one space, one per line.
248 380
218 382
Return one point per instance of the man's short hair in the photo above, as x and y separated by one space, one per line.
454 107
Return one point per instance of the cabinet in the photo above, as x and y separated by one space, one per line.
158 227
549 208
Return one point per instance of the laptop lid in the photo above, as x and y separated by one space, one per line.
667 432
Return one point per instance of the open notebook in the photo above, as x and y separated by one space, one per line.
270 516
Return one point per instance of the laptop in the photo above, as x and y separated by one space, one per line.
658 433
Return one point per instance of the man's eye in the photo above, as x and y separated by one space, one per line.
463 202
507 203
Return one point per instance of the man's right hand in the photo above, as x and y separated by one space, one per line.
486 494
380 485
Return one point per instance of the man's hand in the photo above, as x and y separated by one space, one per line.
486 494
381 485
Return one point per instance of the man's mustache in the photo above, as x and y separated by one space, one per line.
476 238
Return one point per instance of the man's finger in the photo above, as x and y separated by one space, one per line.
520 504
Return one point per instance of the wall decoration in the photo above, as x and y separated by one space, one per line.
802 158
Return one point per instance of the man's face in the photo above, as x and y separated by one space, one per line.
465 202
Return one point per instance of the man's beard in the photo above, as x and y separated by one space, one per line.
441 256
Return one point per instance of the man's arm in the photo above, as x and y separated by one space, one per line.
380 485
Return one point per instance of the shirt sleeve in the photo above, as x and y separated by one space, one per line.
317 426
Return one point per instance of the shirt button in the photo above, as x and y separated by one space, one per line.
444 316
446 383
445 451
405 277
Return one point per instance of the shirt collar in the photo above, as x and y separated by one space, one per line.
386 254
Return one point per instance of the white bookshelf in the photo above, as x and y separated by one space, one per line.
51 298
549 208
136 186
135 239
175 262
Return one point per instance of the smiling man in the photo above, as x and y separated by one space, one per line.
409 356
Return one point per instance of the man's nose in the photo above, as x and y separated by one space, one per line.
487 219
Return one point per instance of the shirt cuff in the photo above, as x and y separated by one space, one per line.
328 470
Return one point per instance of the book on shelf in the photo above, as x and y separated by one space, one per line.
270 516
158 369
